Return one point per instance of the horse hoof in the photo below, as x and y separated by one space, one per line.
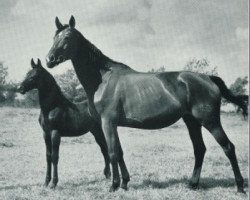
45 184
193 186
53 186
124 186
113 188
241 190
107 175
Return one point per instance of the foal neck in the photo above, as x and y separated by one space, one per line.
50 95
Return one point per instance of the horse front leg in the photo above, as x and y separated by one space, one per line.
55 140
100 140
48 144
111 136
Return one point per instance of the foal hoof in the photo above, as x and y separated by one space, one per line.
53 186
124 186
107 174
113 188
46 184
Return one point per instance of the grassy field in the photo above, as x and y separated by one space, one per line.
160 162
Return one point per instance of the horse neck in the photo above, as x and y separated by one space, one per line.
90 65
50 95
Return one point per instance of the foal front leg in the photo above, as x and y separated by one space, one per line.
55 140
48 144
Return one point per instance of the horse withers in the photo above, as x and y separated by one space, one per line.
60 118
120 96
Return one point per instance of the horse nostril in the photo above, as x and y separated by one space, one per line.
20 89
50 58
60 58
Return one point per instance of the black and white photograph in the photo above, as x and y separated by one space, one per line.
124 99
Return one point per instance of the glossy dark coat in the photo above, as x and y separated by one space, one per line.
60 118
121 96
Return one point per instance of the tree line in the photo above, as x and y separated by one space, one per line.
73 90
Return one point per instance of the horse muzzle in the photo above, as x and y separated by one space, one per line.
21 90
52 61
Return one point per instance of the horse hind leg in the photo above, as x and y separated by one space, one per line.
220 136
195 134
123 168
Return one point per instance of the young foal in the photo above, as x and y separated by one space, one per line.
60 118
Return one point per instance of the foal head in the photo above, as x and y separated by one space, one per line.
66 41
33 77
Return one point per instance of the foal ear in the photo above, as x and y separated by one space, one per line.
33 65
58 23
39 62
72 22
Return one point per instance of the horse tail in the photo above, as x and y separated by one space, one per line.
239 100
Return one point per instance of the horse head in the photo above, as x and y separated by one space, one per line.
32 78
65 43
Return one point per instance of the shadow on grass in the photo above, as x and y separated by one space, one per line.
59 187
24 187
205 183
6 144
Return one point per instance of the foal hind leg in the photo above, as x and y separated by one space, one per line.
195 134
220 136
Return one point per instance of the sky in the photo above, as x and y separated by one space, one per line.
143 34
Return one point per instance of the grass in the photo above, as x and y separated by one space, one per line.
160 162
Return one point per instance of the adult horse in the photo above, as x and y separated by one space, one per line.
60 118
120 96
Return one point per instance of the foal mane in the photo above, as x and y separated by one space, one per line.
53 85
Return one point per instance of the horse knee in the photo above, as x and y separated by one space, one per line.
48 157
199 148
113 157
229 149
55 158
203 149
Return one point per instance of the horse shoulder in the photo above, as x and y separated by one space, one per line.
55 117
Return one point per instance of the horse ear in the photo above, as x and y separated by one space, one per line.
39 62
58 23
72 22
33 65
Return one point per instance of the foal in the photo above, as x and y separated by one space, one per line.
60 118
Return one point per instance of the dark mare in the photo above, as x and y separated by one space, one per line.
120 96
60 118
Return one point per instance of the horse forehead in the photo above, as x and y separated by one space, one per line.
32 73
63 33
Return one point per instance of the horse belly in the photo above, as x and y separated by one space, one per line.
151 107
74 125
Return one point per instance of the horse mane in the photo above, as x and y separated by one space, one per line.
95 55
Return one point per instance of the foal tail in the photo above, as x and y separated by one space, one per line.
239 100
